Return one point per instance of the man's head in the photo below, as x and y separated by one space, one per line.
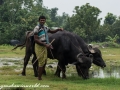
42 20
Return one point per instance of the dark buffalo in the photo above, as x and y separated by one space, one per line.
67 50
88 50
77 39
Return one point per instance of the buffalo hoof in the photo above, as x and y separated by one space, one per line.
57 75
63 77
85 78
23 74
36 75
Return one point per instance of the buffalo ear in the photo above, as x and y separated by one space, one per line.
90 48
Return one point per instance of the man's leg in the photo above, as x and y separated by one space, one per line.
44 71
41 53
40 71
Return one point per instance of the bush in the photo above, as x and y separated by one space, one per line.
110 44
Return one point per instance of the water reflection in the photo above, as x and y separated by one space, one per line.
109 71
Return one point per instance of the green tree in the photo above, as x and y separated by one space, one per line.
53 14
62 20
85 21
112 39
18 16
116 28
110 19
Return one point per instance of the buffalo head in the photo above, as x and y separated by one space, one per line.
97 56
83 64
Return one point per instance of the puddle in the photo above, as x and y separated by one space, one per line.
112 70
12 62
109 71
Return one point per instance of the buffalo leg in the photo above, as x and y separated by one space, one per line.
63 71
26 59
58 70
35 65
60 67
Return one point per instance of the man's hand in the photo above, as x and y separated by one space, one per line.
49 46
60 29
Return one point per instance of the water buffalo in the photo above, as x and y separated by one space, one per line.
67 50
88 50
97 59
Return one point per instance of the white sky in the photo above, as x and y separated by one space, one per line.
67 6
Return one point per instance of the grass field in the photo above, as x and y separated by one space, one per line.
10 75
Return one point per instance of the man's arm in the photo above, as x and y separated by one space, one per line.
54 31
36 38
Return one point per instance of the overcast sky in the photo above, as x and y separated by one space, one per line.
67 6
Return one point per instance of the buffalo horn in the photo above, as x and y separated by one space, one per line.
80 54
79 59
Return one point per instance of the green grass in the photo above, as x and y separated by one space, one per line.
111 53
9 75
6 51
55 83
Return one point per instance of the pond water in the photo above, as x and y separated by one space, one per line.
111 70
114 71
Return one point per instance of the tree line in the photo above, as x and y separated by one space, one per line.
19 16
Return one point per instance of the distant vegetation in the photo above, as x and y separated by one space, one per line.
19 16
